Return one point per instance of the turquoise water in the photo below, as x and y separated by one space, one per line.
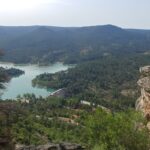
23 84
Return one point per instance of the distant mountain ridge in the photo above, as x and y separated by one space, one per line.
69 44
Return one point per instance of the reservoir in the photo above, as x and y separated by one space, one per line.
23 84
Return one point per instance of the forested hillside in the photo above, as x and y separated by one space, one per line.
70 45
7 74
109 81
40 121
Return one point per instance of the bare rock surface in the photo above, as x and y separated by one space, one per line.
143 102
51 146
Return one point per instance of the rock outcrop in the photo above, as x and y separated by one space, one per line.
143 103
51 146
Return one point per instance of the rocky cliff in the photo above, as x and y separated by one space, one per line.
143 103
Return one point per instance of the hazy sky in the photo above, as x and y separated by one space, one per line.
124 13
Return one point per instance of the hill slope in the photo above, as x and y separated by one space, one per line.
48 44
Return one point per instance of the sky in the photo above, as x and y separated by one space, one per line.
123 13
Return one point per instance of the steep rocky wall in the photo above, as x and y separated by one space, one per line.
143 102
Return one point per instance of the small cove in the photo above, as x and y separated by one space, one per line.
23 84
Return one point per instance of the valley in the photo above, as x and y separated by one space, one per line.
85 102
74 75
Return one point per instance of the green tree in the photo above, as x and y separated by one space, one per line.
116 131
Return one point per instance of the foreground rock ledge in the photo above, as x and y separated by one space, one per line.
62 146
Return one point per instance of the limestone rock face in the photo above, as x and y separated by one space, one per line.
144 83
145 70
143 103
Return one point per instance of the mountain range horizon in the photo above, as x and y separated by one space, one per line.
75 26
32 44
